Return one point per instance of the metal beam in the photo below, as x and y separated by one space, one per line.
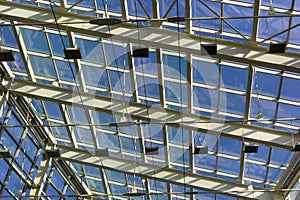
152 114
292 179
255 20
288 171
166 174
3 100
40 178
22 47
151 36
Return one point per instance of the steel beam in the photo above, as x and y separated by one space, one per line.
40 178
3 100
292 179
151 36
288 171
255 20
152 114
166 174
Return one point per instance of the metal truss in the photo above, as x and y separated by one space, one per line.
149 36
159 39
156 114
166 174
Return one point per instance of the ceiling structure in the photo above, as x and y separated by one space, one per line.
177 99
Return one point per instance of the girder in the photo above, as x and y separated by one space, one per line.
161 40
152 114
150 36
166 174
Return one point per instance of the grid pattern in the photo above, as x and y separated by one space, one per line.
217 87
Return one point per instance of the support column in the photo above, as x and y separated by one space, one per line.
4 95
40 178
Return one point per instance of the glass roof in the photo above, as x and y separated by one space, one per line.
259 95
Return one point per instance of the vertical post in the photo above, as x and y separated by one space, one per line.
40 178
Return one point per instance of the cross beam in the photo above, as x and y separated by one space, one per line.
155 114
166 174
150 36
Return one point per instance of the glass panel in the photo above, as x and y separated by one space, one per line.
35 41
255 171
229 166
104 118
91 51
278 3
271 26
262 154
43 66
85 3
30 148
268 84
115 176
95 76
174 93
178 136
165 5
205 161
274 174
230 146
77 115
281 157
161 152
8 142
7 36
267 108
14 183
179 155
60 132
135 180
16 132
65 72
148 86
51 191
224 197
130 145
205 98
24 162
199 10
153 131
4 169
83 135
134 8
294 32
232 103
173 68
57 44
95 185
53 110
92 171
120 82
158 185
182 189
207 73
116 56
234 78
114 6
18 65
289 111
117 189
57 180
201 139
244 26
289 89
146 65
108 141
